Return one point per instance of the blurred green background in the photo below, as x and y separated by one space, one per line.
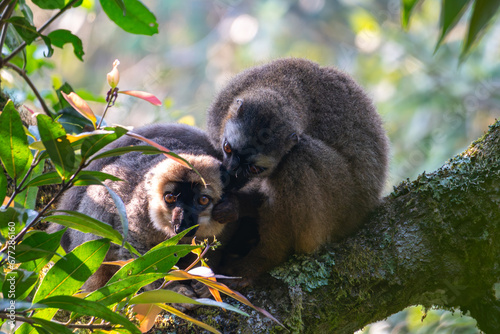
432 106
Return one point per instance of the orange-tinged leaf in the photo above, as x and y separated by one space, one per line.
177 275
80 105
178 313
215 293
142 95
146 314
6 200
73 138
120 263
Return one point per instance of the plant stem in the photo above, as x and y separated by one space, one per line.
18 188
36 220
42 28
5 16
107 326
22 73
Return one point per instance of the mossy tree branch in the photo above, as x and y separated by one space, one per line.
433 241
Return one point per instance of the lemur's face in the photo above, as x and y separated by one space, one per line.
179 200
254 141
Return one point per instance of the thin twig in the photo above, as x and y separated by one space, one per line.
19 188
42 28
23 74
5 16
106 326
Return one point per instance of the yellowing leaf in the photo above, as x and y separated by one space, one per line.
146 314
142 95
38 145
80 105
118 263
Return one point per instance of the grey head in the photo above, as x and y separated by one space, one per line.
257 134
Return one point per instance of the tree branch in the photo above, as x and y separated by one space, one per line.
433 241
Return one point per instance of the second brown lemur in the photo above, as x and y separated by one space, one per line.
310 140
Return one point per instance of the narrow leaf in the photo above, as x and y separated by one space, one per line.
116 291
85 307
142 95
86 224
136 20
80 105
50 326
173 241
18 284
406 11
176 275
61 36
178 313
172 297
88 177
158 261
51 4
93 144
3 185
69 273
126 149
482 13
57 145
41 241
165 150
15 154
45 179
27 197
451 12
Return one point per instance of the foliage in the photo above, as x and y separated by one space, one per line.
451 12
38 277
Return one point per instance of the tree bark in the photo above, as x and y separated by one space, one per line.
433 241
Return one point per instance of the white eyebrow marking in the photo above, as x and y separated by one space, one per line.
233 134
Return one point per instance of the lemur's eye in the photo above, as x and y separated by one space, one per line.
227 147
255 169
170 198
204 200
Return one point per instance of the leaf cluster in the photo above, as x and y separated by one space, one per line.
452 11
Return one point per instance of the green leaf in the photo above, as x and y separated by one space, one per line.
482 13
158 261
18 284
86 224
88 177
48 326
27 197
45 179
122 150
69 273
66 88
24 28
451 12
15 154
407 8
39 240
85 307
172 241
49 4
170 297
137 19
114 292
122 6
28 14
93 144
57 145
29 33
3 186
73 121
61 37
